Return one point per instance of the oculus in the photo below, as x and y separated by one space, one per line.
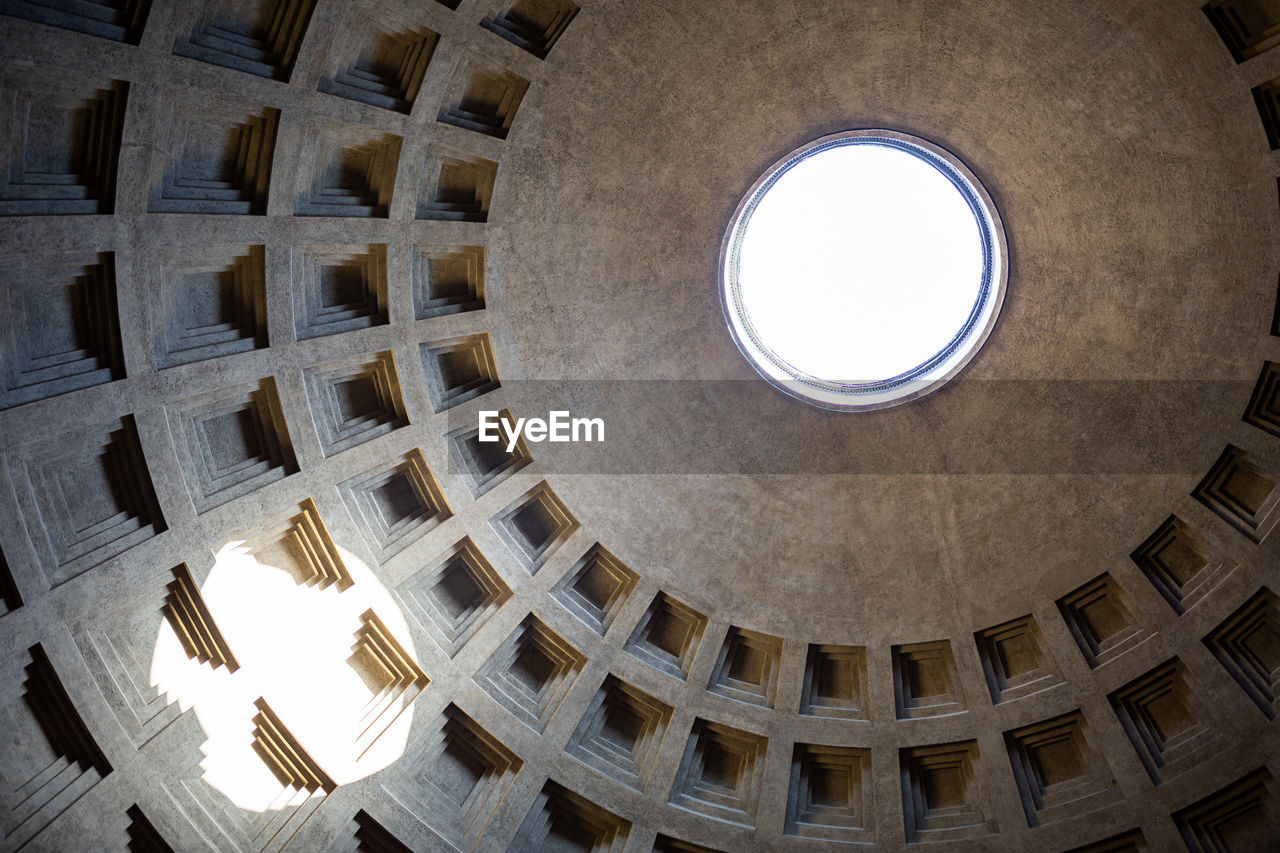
863 270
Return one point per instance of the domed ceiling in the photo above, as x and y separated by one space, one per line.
266 261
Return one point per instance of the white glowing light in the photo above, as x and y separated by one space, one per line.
863 269
293 644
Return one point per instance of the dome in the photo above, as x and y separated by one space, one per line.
275 270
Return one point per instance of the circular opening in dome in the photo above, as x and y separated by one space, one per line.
863 270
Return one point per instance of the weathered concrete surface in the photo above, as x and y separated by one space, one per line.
1126 157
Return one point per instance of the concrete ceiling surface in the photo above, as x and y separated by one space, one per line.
264 262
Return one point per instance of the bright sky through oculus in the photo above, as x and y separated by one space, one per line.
860 263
